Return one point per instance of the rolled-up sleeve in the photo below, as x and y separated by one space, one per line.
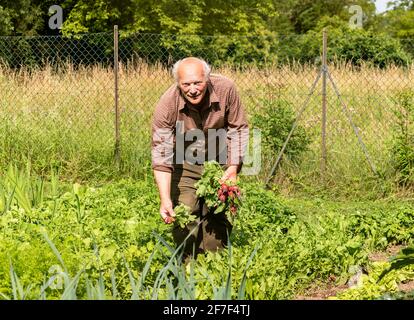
237 129
162 146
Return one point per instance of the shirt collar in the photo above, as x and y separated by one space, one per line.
213 96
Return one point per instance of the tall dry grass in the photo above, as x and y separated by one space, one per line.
65 118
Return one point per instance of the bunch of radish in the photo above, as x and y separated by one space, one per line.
220 196
229 195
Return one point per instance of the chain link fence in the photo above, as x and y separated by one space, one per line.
60 97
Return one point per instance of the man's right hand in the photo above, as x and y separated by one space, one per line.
163 180
167 212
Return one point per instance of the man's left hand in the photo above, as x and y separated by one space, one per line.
230 174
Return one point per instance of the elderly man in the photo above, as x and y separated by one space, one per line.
190 109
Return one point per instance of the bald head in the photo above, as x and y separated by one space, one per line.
191 64
191 75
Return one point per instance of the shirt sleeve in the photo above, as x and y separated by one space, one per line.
237 130
162 146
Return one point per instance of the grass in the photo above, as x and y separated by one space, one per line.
67 241
59 127
65 120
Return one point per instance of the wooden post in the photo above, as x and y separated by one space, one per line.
324 73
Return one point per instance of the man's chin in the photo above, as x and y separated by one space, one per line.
195 101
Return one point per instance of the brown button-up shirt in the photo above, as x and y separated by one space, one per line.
175 122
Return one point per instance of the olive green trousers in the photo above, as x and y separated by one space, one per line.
210 231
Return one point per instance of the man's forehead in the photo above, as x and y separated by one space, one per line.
190 70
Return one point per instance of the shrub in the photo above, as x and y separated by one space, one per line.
355 46
275 119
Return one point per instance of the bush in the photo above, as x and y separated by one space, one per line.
237 50
356 46
275 119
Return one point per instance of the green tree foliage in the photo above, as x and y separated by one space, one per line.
181 24
357 46
398 21
305 14
242 31
402 4
20 17
25 17
96 16
208 17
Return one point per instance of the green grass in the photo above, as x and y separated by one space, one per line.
75 241
74 225
65 120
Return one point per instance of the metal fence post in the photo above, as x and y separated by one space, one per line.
324 73
117 151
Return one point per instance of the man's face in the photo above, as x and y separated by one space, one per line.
192 82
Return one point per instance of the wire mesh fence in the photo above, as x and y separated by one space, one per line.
57 101
59 98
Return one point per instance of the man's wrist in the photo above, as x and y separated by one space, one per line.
237 166
232 168
165 199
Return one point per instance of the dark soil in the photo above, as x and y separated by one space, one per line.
323 291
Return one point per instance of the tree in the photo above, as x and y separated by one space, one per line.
357 46
19 17
209 17
304 15
402 4
399 21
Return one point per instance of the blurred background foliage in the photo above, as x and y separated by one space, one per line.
242 31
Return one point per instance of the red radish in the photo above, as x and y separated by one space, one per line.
222 198
168 220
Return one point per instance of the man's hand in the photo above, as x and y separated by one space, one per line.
167 212
230 174
163 180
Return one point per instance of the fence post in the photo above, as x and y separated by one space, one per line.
324 73
117 151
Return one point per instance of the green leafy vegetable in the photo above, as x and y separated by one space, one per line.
219 196
183 215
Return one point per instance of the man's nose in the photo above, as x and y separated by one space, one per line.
193 89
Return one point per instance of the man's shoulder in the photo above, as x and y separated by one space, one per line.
169 96
218 80
171 92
